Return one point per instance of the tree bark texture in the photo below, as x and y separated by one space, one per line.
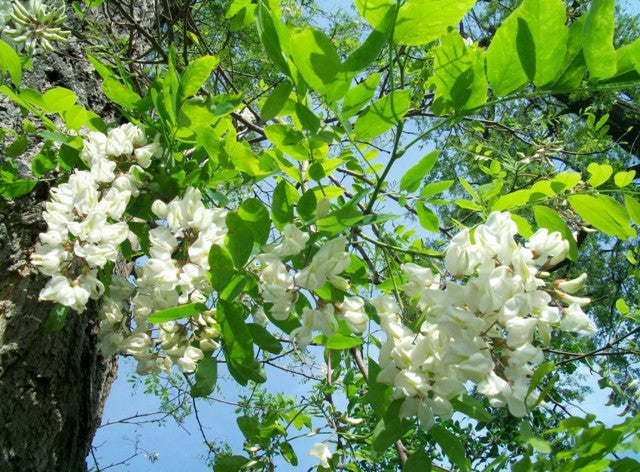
52 386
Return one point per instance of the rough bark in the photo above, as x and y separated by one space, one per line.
52 386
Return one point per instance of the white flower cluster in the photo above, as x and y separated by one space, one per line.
279 286
480 326
84 215
176 274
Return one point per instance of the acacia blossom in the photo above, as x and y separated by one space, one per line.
482 326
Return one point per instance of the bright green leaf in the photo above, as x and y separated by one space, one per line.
597 40
624 178
600 173
276 100
422 21
358 96
382 115
427 218
412 179
56 319
177 312
196 75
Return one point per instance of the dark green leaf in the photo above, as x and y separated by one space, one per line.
276 100
269 30
471 407
221 267
206 377
282 205
306 207
239 239
451 446
264 338
390 428
419 461
288 453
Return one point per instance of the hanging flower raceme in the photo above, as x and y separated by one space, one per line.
483 326
85 216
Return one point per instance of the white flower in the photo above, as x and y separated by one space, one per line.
293 242
353 312
574 320
549 248
322 452
571 286
189 360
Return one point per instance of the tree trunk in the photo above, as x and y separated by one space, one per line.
52 386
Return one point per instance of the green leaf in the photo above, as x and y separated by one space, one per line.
121 95
419 461
427 218
195 76
282 205
382 115
276 100
435 188
269 25
43 163
369 51
257 216
58 99
17 188
206 377
55 319
471 407
422 21
339 341
221 268
340 219
624 178
412 179
318 62
633 207
374 11
17 147
237 344
10 62
604 214
360 95
530 45
597 40
390 428
600 173
451 446
225 463
459 73
547 218
289 141
177 312
574 65
288 453
239 239
541 372
306 207
264 338
308 119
